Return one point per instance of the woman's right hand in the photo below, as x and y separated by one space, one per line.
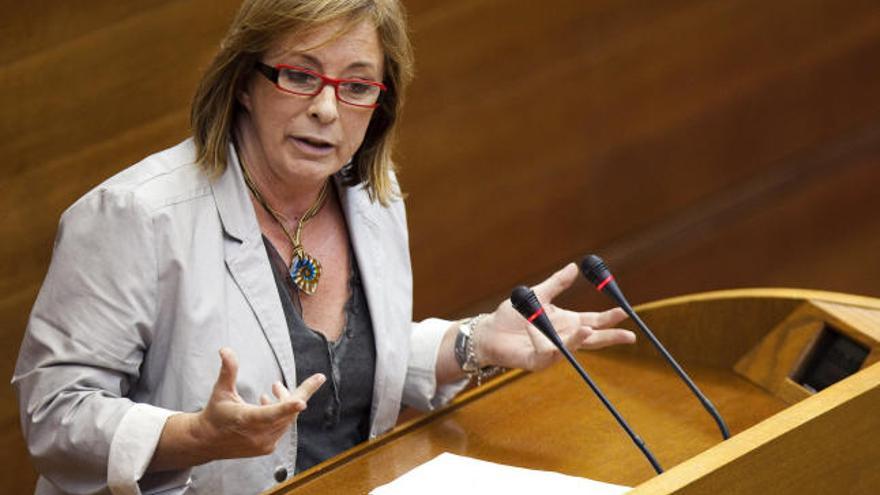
228 427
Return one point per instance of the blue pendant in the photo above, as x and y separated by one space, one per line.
305 272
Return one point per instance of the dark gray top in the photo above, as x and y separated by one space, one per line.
338 414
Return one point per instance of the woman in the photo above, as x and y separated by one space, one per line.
276 236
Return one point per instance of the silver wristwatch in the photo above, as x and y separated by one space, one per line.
465 350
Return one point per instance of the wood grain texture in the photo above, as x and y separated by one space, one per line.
824 444
696 145
771 363
571 433
774 363
84 91
610 124
547 420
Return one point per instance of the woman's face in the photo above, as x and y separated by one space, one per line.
311 137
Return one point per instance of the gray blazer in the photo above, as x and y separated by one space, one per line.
152 272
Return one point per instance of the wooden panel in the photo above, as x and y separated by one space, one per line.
533 432
697 145
772 362
833 435
775 361
547 420
83 93
815 234
43 24
565 140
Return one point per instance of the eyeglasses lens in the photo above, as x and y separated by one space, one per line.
353 92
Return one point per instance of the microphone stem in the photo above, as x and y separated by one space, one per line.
622 422
707 404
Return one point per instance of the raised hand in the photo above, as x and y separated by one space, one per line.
229 427
505 338
239 429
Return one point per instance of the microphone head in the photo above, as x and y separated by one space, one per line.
525 301
594 269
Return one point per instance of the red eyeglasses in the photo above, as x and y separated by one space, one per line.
305 82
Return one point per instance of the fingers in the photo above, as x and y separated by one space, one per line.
605 319
605 338
280 391
309 386
556 283
237 428
228 371
289 403
576 338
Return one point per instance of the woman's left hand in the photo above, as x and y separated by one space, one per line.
505 338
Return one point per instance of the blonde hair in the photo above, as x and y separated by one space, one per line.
256 27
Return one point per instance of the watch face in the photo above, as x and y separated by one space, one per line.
461 349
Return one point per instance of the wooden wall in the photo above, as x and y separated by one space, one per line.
696 145
85 89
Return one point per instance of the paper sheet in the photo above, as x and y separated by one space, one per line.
449 473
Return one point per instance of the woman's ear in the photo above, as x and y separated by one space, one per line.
243 93
244 98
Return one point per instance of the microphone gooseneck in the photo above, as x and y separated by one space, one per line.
526 302
595 270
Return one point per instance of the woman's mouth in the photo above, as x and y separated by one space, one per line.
313 145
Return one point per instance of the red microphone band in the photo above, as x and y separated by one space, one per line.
538 313
604 283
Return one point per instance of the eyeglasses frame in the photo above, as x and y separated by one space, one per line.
273 74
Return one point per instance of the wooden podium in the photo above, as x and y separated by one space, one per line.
756 353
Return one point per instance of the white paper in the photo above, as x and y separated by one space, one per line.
453 474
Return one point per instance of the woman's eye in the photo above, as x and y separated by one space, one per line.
299 78
358 88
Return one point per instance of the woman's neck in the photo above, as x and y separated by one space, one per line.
289 195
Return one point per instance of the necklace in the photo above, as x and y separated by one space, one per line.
305 270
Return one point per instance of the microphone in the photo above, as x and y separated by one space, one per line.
526 302
595 270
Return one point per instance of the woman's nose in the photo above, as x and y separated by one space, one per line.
324 106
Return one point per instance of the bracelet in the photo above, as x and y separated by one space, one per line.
466 351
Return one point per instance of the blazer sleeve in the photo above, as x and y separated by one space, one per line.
421 390
86 337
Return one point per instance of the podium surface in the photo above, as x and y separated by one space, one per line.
741 347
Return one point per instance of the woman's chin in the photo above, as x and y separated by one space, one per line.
305 168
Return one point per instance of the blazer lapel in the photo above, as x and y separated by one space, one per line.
364 232
248 264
